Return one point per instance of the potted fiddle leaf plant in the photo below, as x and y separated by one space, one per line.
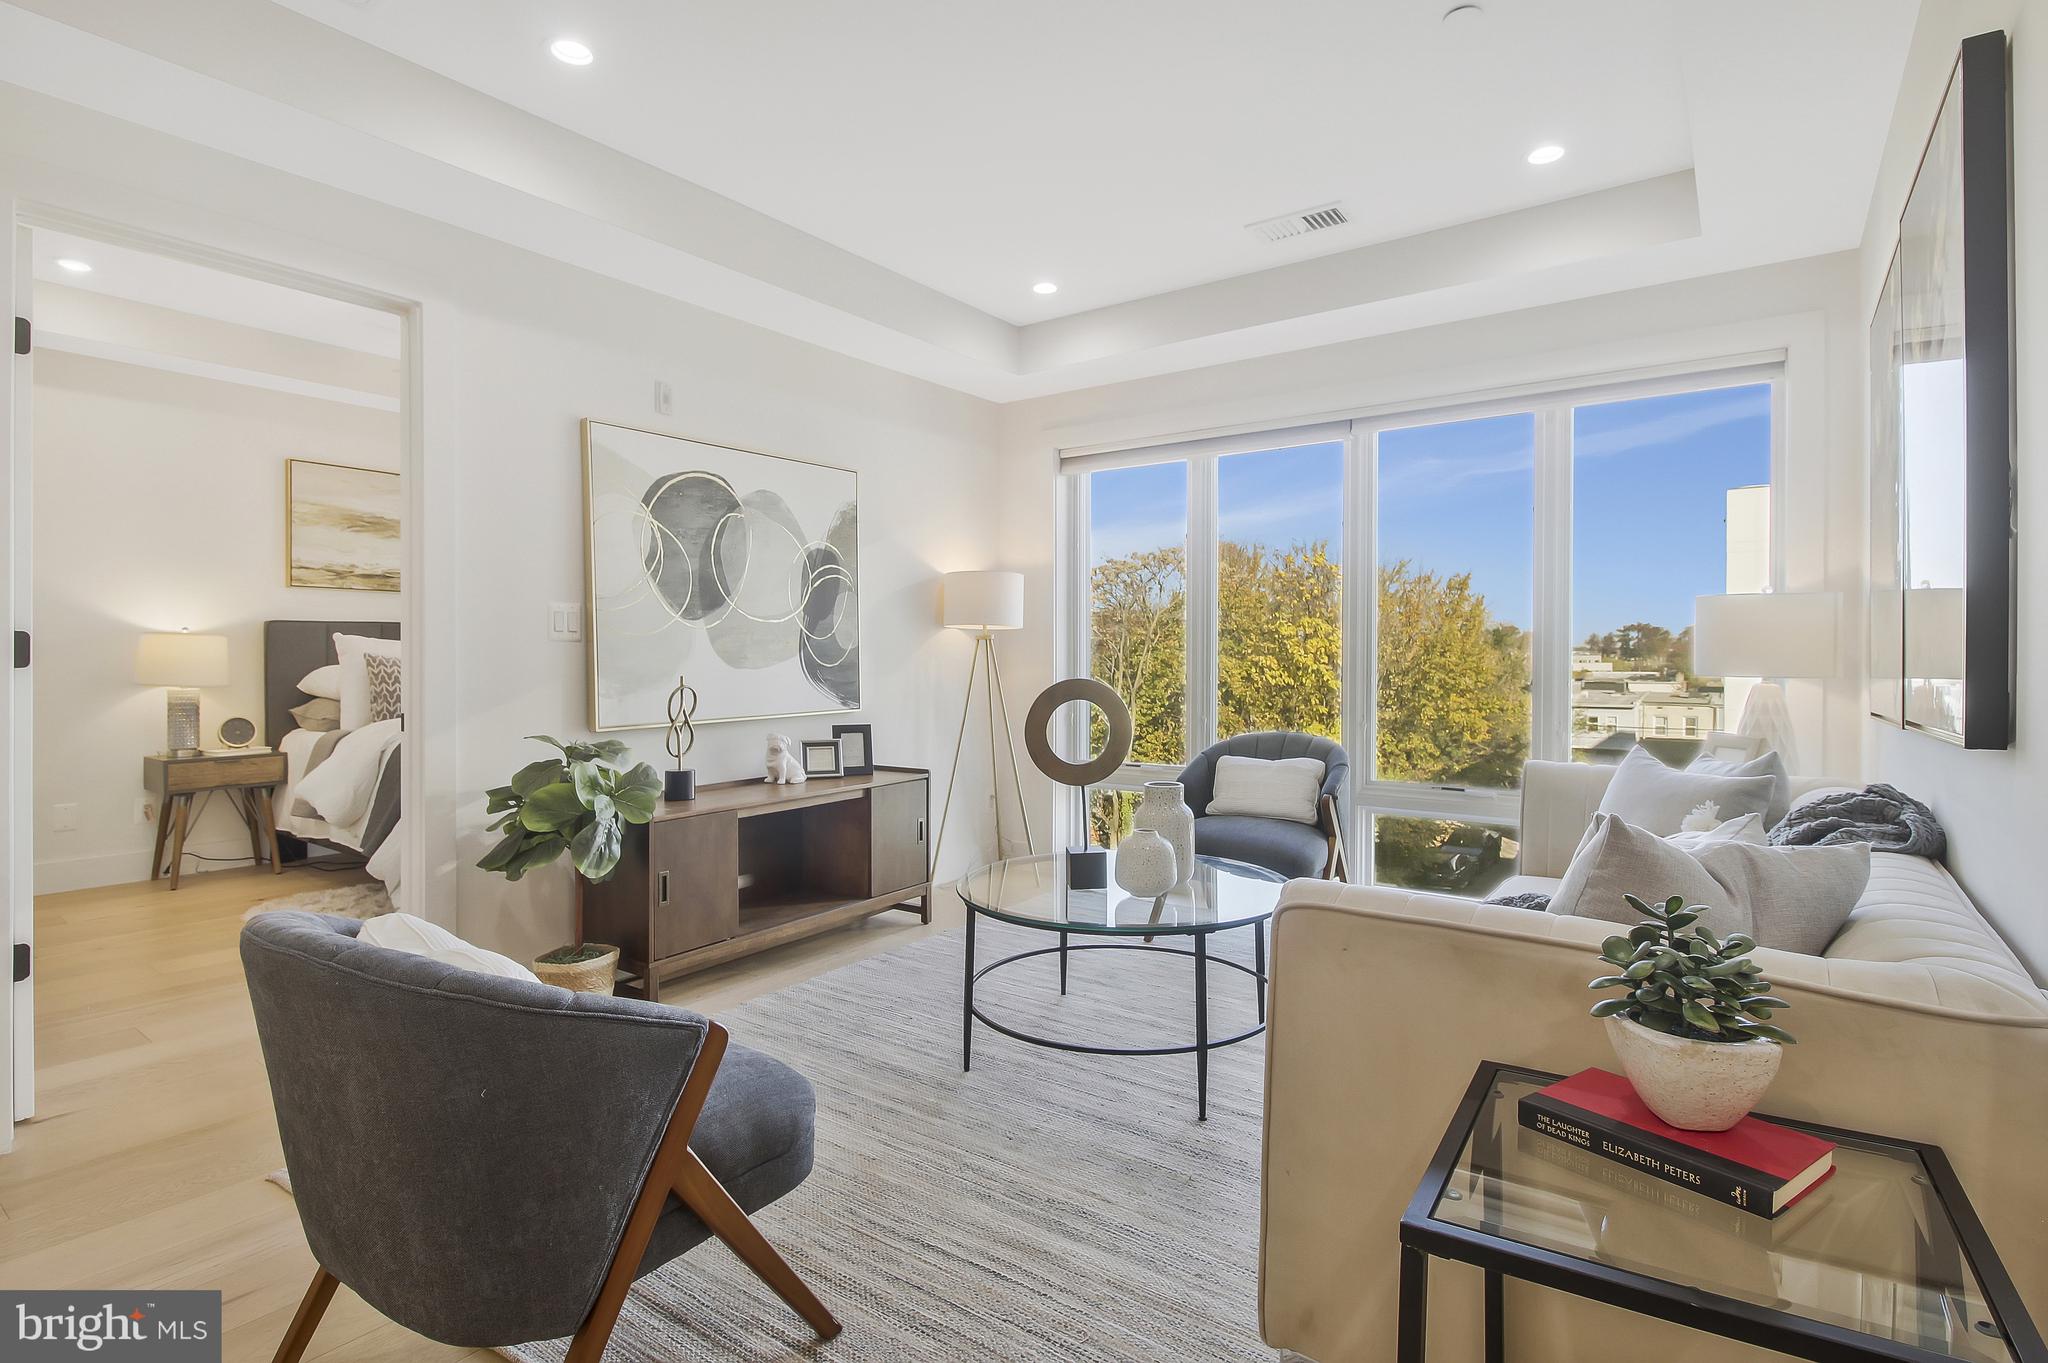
578 802
1692 1026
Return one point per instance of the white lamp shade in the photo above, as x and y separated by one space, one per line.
1765 634
181 660
984 600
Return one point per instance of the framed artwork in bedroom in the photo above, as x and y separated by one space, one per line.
341 526
1941 427
737 568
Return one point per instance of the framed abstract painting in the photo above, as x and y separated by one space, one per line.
734 570
1941 382
341 526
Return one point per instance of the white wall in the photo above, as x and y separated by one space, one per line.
1992 804
159 505
515 350
1807 309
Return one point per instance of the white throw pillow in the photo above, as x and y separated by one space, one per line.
1657 799
1617 860
324 682
1268 788
1768 764
1749 829
355 678
418 937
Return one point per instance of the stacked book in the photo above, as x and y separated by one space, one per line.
1756 1165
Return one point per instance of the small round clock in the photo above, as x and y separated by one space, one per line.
237 732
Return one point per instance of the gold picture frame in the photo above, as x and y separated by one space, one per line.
343 527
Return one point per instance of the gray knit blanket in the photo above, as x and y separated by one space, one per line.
1882 816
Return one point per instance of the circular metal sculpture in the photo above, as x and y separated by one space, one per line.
1114 750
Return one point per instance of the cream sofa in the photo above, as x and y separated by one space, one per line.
1918 1021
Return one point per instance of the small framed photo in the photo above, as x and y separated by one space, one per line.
821 757
856 749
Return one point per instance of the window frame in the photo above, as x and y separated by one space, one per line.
1552 405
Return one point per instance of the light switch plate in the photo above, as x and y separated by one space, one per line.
64 818
565 622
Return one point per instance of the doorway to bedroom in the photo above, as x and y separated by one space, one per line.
216 584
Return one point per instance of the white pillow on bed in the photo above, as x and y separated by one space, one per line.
323 682
418 937
355 677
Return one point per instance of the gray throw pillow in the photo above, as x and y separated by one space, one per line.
1657 798
1616 860
318 715
1770 764
1798 897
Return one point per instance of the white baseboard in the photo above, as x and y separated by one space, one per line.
126 868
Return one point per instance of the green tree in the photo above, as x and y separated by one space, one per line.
1279 647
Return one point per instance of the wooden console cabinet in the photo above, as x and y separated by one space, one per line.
747 865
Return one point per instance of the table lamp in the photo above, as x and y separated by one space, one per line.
182 662
982 602
1769 635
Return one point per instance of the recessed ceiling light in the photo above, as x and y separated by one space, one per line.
1045 286
570 51
73 264
1545 154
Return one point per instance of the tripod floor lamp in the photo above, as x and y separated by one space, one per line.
981 603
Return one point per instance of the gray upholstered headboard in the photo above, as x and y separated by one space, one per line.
291 649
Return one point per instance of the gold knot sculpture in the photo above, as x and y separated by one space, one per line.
682 734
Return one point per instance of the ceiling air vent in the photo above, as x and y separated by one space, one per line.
1299 224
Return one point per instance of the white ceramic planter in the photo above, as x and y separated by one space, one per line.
1163 809
1694 1085
1144 864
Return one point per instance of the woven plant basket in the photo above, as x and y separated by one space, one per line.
594 976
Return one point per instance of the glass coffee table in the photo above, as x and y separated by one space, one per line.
1885 1260
1032 892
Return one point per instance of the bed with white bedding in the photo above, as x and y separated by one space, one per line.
341 788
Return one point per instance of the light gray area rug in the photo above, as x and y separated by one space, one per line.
357 899
1046 1206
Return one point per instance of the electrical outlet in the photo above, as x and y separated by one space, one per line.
664 398
565 622
145 809
64 818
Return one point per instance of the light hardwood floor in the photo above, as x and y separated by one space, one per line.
145 1163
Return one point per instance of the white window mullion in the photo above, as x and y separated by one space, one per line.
1360 606
1201 604
1550 643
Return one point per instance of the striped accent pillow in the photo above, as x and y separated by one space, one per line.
387 694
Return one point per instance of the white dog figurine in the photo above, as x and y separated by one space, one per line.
783 768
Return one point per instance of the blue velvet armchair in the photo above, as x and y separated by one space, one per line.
1292 849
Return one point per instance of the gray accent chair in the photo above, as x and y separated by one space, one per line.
492 1161
1292 849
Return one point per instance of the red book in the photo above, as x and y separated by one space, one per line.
1756 1165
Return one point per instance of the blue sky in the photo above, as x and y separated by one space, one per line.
1649 481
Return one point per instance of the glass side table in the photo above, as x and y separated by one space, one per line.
1886 1260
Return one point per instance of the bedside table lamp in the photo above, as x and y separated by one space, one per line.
980 603
1768 635
182 662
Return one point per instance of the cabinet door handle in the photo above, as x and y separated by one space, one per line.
664 887
920 830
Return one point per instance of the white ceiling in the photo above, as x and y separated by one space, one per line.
1118 149
888 179
164 282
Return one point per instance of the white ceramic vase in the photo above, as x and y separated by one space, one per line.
1162 809
1144 864
1694 1085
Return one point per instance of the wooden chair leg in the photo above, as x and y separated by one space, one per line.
704 1195
314 1305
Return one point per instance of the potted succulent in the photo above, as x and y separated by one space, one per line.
577 803
1692 1028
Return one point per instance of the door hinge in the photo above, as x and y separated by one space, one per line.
21 961
22 336
21 648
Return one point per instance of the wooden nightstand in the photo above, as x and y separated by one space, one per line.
250 780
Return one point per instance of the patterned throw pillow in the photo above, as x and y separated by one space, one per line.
387 697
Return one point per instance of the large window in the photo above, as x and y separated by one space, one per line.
1533 568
